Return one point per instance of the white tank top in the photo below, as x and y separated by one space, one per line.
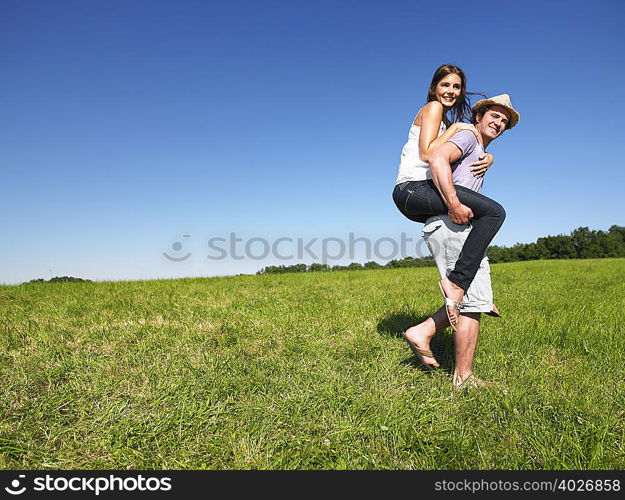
411 168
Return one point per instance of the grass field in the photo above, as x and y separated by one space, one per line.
309 371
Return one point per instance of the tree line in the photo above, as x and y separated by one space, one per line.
61 279
582 243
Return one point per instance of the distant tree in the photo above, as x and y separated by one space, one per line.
411 262
586 243
613 242
67 279
496 254
298 268
559 247
61 279
372 265
619 231
355 266
318 267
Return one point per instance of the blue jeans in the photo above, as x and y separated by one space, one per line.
420 200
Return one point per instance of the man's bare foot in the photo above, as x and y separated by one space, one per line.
470 381
418 337
455 293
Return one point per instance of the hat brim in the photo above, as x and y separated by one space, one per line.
484 103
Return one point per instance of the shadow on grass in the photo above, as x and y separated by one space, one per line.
442 345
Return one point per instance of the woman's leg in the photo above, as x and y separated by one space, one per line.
488 218
420 200
420 335
418 207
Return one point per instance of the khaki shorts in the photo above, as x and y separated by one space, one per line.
445 241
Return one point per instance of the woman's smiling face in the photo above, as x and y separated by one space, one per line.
448 90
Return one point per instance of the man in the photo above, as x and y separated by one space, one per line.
445 240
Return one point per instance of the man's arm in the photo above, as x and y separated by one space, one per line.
440 166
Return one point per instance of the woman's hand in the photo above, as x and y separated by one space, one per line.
480 167
458 126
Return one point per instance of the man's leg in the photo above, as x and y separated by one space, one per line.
465 342
420 335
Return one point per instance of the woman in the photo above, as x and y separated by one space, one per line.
417 196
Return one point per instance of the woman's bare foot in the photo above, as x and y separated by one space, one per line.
419 336
455 293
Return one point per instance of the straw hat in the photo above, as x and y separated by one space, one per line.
502 100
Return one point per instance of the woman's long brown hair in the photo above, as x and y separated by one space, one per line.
461 110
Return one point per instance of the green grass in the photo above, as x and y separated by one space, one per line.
308 371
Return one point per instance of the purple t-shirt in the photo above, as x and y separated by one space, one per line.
471 149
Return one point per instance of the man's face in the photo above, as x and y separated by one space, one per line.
493 122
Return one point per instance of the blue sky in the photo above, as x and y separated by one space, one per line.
127 125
